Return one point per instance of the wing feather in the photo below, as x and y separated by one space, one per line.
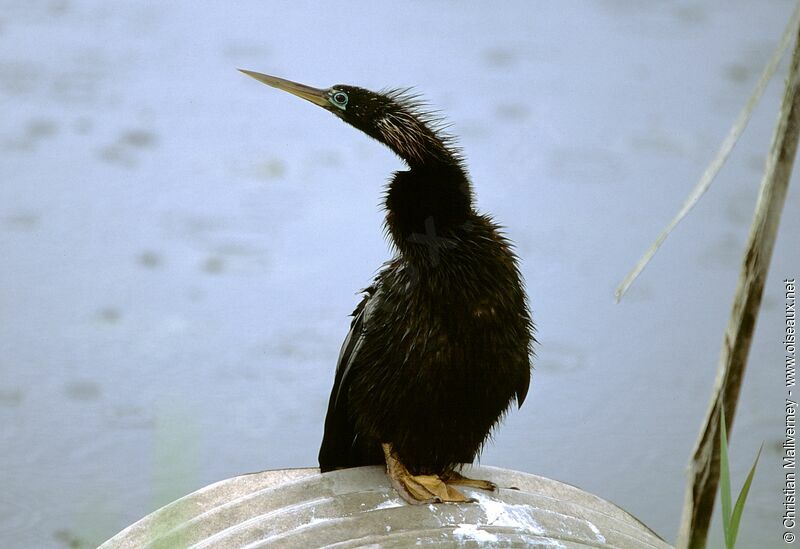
338 447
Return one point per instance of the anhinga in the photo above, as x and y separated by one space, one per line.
439 346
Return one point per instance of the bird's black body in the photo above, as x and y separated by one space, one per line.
436 353
439 346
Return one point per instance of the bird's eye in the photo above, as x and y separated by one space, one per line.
339 99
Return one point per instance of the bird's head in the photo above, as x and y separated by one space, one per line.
395 118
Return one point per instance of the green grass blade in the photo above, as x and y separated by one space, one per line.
739 507
725 479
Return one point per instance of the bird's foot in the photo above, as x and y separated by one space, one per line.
419 489
457 478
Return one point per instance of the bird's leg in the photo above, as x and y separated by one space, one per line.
454 477
418 489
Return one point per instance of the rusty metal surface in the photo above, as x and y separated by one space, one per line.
357 508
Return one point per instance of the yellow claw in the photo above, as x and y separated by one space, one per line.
424 489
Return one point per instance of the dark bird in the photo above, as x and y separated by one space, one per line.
440 345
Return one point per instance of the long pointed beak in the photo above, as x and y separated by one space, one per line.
315 95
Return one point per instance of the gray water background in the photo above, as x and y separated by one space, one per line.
180 246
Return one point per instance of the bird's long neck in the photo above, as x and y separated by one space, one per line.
413 140
429 204
428 208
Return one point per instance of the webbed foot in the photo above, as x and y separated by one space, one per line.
454 477
419 489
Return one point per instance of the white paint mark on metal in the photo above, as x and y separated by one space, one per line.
396 502
472 532
600 537
499 513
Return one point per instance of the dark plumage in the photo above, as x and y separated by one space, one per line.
439 346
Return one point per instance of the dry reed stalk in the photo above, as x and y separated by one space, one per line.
704 467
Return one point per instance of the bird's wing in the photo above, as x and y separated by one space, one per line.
522 388
350 346
339 440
